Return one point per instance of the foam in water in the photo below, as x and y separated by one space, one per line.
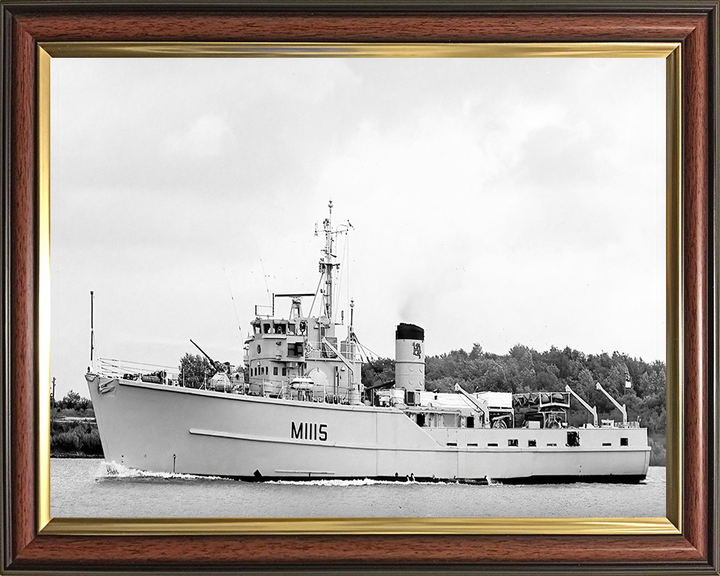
362 482
358 482
115 470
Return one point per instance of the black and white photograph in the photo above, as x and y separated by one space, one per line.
358 287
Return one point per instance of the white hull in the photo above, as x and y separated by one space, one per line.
173 429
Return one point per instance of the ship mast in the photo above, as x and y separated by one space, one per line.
326 266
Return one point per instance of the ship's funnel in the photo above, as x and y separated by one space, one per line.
410 357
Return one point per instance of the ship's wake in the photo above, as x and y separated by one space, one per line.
358 482
113 470
109 471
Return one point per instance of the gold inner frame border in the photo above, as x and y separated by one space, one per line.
671 524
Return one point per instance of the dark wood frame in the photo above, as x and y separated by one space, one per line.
25 23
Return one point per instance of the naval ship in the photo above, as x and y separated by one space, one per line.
298 410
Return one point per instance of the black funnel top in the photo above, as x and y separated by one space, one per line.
409 332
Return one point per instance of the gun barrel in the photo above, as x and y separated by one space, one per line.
214 364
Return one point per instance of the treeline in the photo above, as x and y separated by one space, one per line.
523 369
72 438
73 404
73 431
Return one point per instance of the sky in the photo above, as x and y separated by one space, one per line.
493 201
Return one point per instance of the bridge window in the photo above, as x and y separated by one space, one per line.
471 421
266 328
623 441
421 420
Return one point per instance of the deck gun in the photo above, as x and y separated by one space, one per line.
219 366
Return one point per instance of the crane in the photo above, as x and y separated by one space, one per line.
591 409
619 406
481 405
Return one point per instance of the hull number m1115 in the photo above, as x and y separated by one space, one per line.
309 431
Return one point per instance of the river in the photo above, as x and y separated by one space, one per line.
91 488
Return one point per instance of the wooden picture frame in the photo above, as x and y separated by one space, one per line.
30 545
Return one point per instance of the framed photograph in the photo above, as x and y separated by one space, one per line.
187 166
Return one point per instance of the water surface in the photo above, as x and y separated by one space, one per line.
91 488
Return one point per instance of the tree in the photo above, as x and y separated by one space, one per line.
194 370
71 400
378 371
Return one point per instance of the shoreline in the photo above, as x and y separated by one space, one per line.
61 455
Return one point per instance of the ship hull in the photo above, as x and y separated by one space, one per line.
173 429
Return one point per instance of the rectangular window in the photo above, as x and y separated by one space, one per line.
512 442
492 443
471 422
552 444
452 443
284 371
623 441
291 328
607 443
532 443
275 371
472 443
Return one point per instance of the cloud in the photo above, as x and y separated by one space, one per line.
206 136
494 201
